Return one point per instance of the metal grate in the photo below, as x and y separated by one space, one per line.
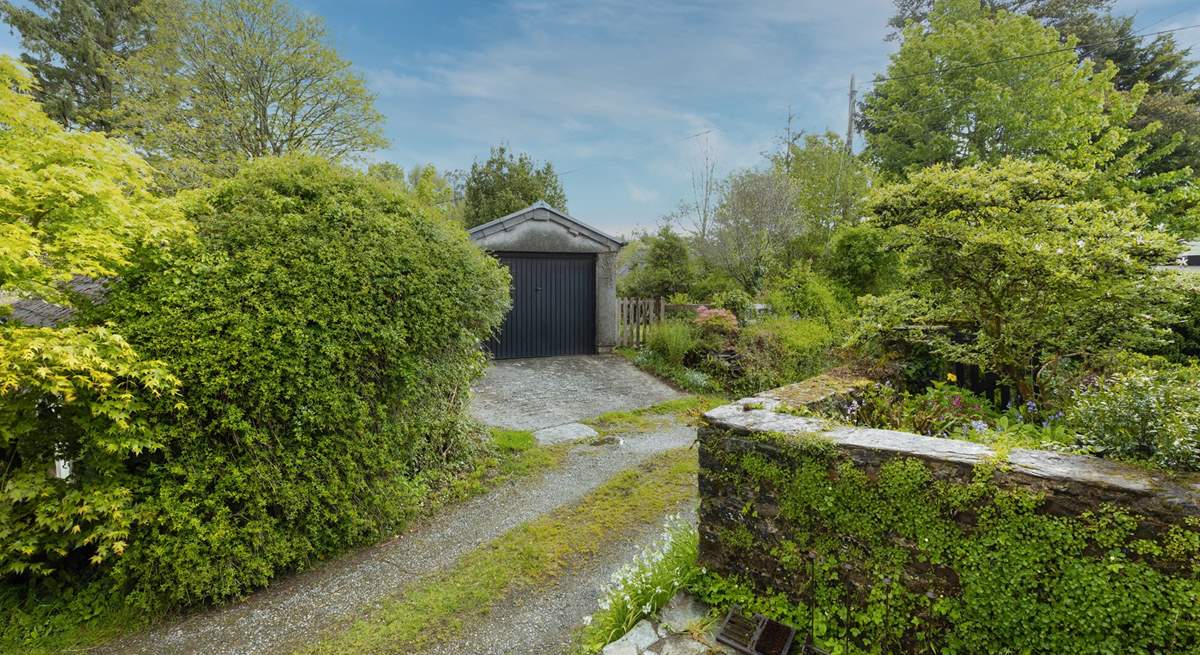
738 631
755 636
774 638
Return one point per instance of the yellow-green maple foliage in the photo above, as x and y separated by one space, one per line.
71 204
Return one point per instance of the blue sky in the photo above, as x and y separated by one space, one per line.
609 90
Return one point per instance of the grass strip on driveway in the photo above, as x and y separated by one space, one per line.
687 409
514 454
526 557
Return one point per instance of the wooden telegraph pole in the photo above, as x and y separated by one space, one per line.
850 122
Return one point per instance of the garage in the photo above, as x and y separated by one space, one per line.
563 283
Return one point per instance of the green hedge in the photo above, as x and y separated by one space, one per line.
936 562
325 333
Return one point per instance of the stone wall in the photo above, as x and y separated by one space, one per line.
943 543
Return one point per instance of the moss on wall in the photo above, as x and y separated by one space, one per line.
907 554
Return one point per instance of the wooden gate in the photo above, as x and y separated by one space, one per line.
634 318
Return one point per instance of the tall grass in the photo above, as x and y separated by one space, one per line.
671 341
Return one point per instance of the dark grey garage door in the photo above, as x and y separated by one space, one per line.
553 306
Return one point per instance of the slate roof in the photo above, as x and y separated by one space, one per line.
558 216
36 312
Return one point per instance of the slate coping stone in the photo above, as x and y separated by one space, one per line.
564 432
636 641
681 612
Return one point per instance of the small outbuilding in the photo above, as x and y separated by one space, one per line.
564 283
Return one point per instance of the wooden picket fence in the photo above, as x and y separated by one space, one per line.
635 316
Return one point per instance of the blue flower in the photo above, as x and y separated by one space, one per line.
979 426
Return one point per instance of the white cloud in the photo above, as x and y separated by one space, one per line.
610 89
646 66
388 83
640 194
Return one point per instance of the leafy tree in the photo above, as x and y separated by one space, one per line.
664 268
75 48
1056 13
1158 62
505 183
830 186
1168 73
752 226
861 260
232 80
1014 268
801 292
71 204
941 102
428 188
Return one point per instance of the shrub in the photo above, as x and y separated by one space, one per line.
858 259
1185 337
735 300
778 351
942 410
671 341
804 293
73 205
945 409
684 378
663 267
1144 413
325 336
716 321
1023 265
712 283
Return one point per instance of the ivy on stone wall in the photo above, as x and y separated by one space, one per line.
905 556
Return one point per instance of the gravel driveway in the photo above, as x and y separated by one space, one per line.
544 623
531 394
298 608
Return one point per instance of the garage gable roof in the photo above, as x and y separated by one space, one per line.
542 211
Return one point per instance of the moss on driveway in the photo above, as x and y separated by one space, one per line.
686 410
